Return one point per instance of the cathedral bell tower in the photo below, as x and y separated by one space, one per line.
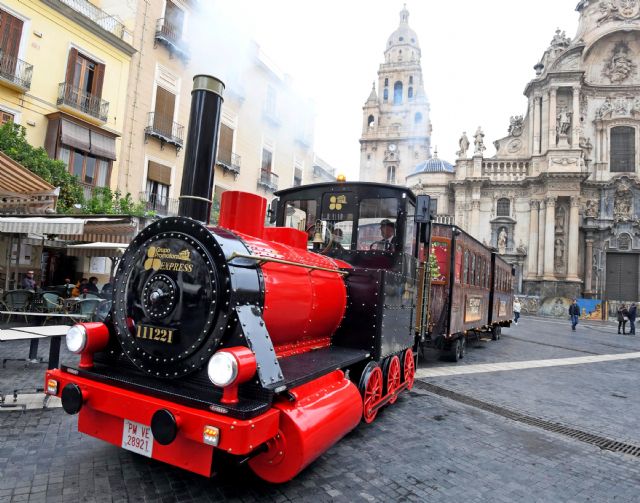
396 128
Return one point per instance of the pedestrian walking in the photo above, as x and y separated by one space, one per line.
632 318
516 310
574 314
623 317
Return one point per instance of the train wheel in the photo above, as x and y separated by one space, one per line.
409 368
371 390
495 334
454 352
392 377
463 347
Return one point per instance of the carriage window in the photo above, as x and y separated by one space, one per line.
301 215
377 224
458 270
465 268
472 279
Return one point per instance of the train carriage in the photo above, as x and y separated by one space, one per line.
501 298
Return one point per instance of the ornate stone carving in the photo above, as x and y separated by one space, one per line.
619 10
516 125
558 253
551 201
560 40
623 201
463 143
586 146
619 67
605 109
563 121
591 209
479 141
534 204
564 161
560 218
522 248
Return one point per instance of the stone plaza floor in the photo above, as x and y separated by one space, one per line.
542 415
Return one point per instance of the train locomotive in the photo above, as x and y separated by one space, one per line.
268 344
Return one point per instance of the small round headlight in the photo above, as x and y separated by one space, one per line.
76 338
222 369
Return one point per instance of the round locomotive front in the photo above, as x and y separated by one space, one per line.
171 298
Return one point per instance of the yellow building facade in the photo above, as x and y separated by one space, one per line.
64 69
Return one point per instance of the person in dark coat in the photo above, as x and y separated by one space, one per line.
574 314
623 316
92 286
632 319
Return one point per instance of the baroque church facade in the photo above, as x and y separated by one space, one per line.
561 198
396 128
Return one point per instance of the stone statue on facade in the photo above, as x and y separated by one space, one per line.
622 205
586 146
502 241
559 254
563 122
479 141
618 10
560 39
463 143
516 125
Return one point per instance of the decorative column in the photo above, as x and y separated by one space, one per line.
575 118
588 267
574 224
475 219
537 104
541 220
532 263
552 116
549 234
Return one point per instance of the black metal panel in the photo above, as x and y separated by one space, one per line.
259 341
306 367
398 303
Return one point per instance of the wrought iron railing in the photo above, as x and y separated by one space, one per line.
229 161
163 127
87 103
98 16
268 181
163 206
171 36
15 71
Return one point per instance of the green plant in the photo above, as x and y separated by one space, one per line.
13 142
104 201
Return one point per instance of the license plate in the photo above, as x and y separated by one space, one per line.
137 437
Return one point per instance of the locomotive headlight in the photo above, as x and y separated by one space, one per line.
76 338
222 369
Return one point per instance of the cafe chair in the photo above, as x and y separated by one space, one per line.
89 307
17 301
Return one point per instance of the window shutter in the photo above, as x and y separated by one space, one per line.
71 65
10 34
98 80
225 144
165 104
159 173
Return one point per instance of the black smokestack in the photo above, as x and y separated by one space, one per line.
200 152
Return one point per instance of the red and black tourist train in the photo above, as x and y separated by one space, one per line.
270 342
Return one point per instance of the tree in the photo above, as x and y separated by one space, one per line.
13 142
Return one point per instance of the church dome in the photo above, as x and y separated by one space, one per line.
434 165
403 35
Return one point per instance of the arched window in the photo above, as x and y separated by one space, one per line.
391 174
417 118
504 207
371 120
386 82
623 149
385 95
397 93
410 93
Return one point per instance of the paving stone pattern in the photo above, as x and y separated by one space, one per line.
424 448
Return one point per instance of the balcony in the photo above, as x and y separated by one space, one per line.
163 206
15 73
171 37
268 181
229 162
164 129
91 107
444 219
97 21
505 171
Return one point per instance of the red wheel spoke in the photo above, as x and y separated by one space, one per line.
409 368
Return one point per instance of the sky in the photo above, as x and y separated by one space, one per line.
477 58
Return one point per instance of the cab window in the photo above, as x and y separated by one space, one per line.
377 224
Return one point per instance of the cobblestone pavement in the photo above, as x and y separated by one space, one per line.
424 448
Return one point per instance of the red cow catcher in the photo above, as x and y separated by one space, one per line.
242 339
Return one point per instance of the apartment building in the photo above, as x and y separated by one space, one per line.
64 68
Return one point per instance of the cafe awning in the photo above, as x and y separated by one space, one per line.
117 229
110 250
